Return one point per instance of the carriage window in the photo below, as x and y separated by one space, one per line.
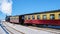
25 18
33 17
52 16
38 16
44 17
28 17
59 16
22 17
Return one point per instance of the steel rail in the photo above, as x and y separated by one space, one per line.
15 29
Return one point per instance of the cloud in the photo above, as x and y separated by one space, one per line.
6 6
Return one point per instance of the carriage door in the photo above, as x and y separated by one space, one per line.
22 19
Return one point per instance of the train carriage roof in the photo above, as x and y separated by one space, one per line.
52 11
39 13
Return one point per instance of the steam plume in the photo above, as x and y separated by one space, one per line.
6 6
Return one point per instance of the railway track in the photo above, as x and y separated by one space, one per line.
12 30
9 31
44 29
56 31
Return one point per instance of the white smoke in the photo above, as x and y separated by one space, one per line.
6 6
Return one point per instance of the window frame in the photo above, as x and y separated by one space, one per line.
38 16
28 17
44 18
59 16
25 17
52 16
33 17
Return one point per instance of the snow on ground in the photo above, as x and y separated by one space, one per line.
13 31
27 30
30 31
2 31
